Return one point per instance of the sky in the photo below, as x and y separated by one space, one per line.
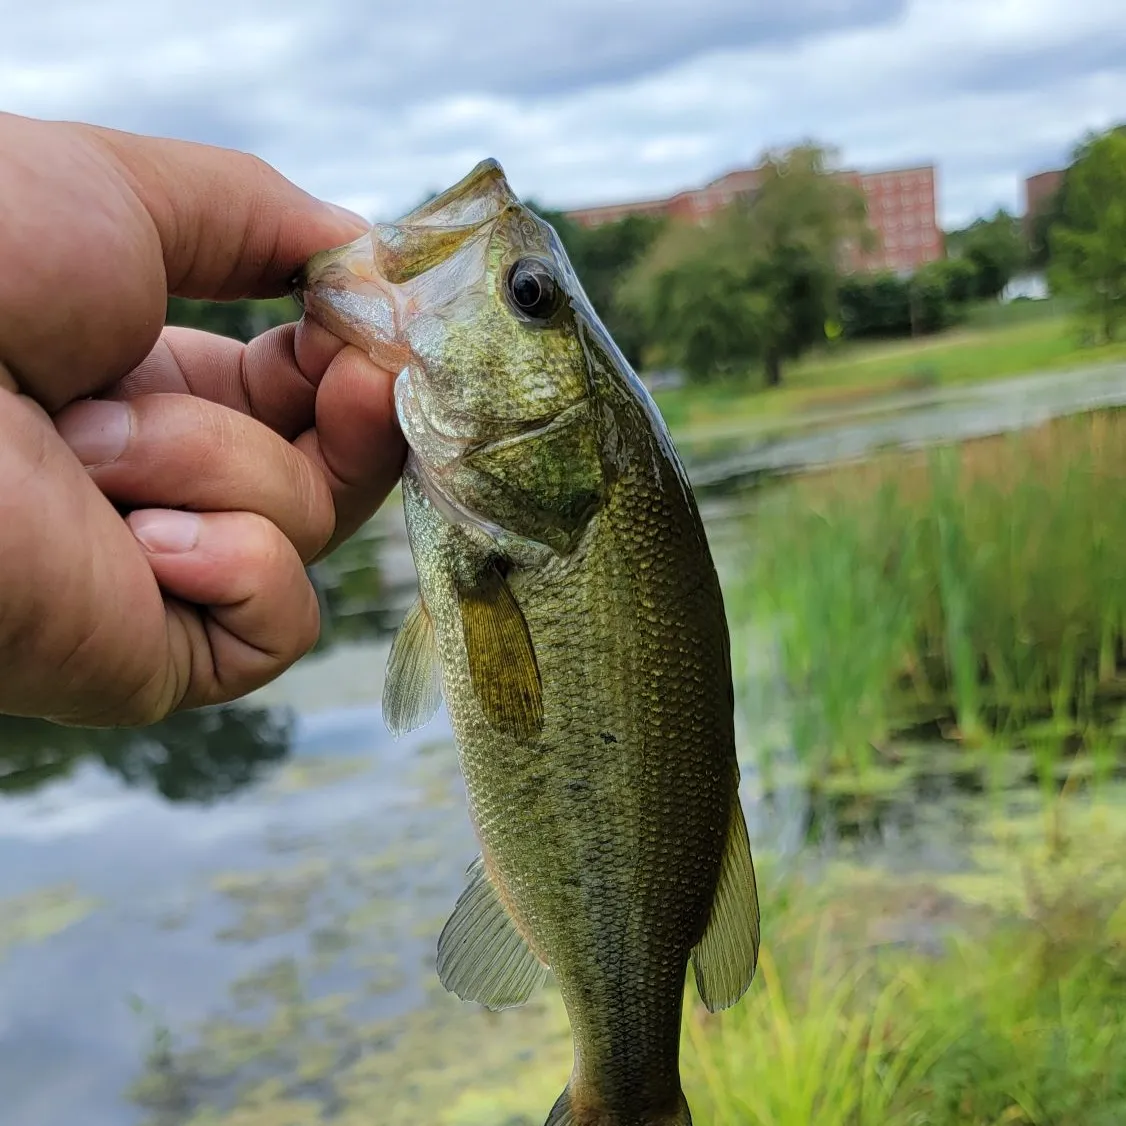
376 105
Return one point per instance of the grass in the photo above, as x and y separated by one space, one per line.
994 343
977 588
998 1016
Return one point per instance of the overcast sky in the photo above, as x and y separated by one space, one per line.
374 105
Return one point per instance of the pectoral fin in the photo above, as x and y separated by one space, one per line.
481 955
724 960
502 660
413 688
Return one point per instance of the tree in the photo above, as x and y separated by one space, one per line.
696 296
1039 227
996 249
1088 242
602 256
760 281
243 319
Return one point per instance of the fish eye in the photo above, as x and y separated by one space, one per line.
532 290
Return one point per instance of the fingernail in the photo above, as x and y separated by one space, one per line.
97 430
165 531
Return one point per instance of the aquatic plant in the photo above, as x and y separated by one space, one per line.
990 995
976 588
1006 1006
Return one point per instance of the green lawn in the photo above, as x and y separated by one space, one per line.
850 373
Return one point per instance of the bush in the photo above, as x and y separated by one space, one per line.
929 293
875 305
885 304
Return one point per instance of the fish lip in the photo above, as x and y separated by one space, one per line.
295 287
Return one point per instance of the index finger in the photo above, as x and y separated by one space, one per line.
109 223
229 224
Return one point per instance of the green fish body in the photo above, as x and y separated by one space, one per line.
571 616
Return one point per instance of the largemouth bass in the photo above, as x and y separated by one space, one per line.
570 613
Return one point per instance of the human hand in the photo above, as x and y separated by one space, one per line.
233 464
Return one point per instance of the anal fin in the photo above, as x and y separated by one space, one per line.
412 690
482 957
724 960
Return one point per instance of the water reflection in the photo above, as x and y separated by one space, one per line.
365 586
196 756
726 462
206 755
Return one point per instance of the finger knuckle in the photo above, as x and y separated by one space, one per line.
308 626
267 545
320 510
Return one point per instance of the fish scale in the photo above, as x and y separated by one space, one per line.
571 611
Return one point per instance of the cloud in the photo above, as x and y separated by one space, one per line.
584 101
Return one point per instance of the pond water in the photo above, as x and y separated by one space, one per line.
242 904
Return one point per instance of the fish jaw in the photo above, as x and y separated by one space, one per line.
374 290
343 290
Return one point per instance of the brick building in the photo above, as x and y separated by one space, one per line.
901 211
1038 192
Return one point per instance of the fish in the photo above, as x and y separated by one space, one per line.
571 617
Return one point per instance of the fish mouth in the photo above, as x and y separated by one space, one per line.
369 290
480 195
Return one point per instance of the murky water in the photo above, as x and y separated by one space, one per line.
153 881
905 420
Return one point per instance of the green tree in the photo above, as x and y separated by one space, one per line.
697 297
1088 242
959 278
761 280
1039 228
995 247
602 256
242 320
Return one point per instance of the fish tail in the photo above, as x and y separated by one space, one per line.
565 1114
